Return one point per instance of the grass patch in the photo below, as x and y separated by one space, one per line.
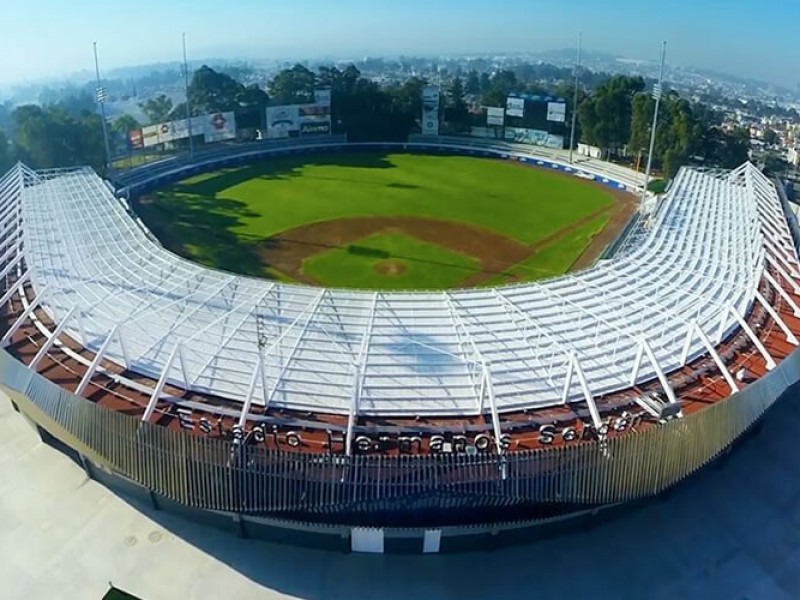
208 214
391 261
658 186
554 259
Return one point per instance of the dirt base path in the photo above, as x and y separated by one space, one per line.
287 251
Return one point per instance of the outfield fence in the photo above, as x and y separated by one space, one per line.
220 475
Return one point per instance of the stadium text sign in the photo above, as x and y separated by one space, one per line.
405 444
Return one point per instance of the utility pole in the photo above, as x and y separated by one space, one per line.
102 96
188 105
575 100
658 91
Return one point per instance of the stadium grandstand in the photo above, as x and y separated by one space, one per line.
374 411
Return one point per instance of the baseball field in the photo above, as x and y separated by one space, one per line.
388 221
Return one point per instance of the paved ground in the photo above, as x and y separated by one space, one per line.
731 533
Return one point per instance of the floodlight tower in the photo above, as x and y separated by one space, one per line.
188 105
658 91
575 99
101 97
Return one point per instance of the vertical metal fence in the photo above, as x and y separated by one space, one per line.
215 474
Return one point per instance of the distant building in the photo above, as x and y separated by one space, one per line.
793 156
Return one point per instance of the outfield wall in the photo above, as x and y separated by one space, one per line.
148 178
310 499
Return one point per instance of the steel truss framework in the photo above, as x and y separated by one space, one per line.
635 318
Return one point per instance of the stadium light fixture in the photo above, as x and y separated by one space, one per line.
657 94
101 98
188 104
575 100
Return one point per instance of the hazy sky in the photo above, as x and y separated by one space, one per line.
43 38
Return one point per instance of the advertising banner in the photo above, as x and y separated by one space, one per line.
556 112
135 139
430 110
322 97
315 112
217 127
315 128
495 116
534 137
555 141
298 119
515 107
283 121
486 132
173 130
150 136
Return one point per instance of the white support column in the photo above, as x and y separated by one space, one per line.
251 389
785 267
637 363
7 254
717 360
8 268
662 378
51 340
782 292
162 381
568 378
790 337
23 317
498 431
98 358
784 274
687 346
353 414
184 370
587 394
124 347
14 288
754 338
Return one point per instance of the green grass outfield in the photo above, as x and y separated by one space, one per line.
222 219
555 259
422 265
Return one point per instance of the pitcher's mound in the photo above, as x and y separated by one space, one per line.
391 268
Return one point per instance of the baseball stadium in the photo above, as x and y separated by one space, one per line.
380 347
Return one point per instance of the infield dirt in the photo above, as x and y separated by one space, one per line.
496 253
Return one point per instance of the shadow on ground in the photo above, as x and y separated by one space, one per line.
731 532
203 231
284 167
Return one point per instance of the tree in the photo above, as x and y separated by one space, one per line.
157 109
293 86
775 166
456 110
473 84
212 92
641 123
500 86
6 159
770 137
49 137
124 124
606 116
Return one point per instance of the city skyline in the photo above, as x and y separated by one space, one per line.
707 37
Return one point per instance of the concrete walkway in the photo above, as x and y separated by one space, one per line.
732 533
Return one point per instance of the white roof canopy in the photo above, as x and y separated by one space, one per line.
401 353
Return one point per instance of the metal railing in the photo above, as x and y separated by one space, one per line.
219 474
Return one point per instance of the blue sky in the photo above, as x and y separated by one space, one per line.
43 38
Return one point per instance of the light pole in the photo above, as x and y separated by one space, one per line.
658 91
102 96
575 100
188 106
